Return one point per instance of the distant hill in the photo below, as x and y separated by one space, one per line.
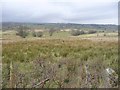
58 26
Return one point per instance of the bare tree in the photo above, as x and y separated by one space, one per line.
51 31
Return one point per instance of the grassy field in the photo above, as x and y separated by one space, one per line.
11 35
59 61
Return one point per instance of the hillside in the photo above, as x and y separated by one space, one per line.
58 26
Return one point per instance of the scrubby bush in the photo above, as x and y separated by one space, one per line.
39 34
92 32
51 31
22 31
77 32
104 34
34 34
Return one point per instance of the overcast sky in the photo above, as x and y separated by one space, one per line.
61 11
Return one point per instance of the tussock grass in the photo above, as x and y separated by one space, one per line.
61 60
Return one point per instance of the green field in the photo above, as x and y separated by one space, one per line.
58 61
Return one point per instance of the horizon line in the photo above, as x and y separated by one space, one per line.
60 23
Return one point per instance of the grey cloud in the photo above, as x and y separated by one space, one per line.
60 12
